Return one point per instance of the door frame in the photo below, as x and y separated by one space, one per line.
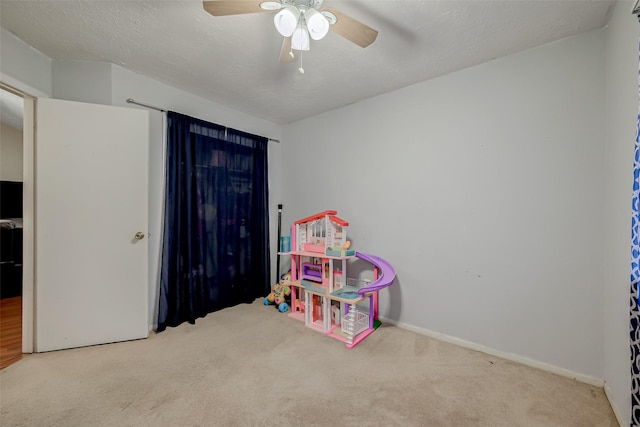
29 96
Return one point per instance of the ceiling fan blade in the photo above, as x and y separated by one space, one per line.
285 51
232 7
353 30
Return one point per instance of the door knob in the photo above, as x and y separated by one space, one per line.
139 235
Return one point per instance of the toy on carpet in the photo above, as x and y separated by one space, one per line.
279 293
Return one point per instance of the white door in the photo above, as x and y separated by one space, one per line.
91 199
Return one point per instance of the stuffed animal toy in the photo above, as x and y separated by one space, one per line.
279 293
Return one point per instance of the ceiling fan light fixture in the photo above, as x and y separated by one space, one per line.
300 38
317 24
286 20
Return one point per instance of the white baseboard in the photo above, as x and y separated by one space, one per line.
597 382
614 407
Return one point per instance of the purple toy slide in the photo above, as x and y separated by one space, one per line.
387 273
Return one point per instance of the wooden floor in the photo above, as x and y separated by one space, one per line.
10 331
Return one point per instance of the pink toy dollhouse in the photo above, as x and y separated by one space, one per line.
321 296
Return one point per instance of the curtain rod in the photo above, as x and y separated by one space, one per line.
132 101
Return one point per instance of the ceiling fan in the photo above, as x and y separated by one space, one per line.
297 21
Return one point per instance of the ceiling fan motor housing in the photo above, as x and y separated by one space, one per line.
304 4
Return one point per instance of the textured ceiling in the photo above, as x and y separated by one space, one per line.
233 60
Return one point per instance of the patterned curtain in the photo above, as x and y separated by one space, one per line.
634 326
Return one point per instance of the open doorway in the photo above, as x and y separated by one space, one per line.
11 226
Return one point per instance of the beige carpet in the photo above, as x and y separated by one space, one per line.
253 366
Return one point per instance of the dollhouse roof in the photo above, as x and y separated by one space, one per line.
339 221
331 214
317 216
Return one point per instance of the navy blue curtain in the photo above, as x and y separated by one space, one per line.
215 248
634 312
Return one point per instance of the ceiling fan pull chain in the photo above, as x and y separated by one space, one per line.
301 69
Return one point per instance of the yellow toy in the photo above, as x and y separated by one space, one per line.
279 292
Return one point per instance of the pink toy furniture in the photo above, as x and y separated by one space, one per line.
321 294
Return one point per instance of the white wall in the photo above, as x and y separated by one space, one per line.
622 108
82 81
10 153
483 188
24 67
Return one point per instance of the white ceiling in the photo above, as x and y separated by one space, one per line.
233 60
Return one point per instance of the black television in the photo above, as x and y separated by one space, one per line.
10 199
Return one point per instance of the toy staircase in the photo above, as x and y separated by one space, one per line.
348 326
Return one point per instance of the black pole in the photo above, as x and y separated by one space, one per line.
279 244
